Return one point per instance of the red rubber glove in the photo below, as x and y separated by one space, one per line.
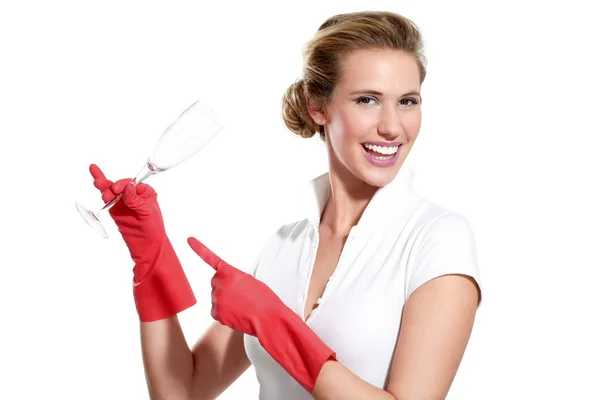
246 304
160 287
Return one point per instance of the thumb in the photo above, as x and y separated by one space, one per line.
208 256
132 200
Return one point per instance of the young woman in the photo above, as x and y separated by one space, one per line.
372 296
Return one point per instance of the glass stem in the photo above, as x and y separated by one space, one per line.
145 172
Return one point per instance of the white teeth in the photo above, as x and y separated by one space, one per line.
389 150
384 158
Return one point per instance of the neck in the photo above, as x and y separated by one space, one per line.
348 200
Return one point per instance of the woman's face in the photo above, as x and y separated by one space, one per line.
374 116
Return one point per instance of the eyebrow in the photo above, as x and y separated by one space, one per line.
375 92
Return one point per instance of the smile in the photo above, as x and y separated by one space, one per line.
378 150
381 154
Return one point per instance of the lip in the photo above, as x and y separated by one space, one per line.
379 163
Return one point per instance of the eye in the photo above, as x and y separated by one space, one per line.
411 101
365 101
369 101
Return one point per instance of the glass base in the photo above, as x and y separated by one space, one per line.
92 219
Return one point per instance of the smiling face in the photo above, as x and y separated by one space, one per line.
374 116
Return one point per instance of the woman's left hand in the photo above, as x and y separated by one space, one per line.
246 304
239 300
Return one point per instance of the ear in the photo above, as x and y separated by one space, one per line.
317 114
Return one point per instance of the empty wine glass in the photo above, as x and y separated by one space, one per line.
191 131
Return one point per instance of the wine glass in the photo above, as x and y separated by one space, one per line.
191 131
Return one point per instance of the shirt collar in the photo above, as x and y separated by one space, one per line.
387 200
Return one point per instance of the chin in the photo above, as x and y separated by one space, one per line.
378 178
375 176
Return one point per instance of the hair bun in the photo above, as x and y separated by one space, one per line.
295 111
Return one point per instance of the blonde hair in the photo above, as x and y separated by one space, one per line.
323 55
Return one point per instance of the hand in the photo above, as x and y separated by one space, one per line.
160 288
246 304
138 218
239 300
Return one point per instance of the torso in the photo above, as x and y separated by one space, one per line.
364 281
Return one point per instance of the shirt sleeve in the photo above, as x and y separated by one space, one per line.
446 245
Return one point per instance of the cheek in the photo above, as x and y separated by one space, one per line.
412 124
351 126
345 128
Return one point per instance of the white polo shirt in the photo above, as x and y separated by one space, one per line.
400 242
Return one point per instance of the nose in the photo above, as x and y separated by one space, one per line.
390 122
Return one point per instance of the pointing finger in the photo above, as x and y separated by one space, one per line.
208 256
100 181
96 172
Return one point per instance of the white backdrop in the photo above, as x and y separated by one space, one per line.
509 139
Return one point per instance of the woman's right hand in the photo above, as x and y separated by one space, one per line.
161 288
137 215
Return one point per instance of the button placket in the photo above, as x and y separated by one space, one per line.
341 267
314 237
334 280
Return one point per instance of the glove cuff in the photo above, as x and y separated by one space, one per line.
165 291
295 346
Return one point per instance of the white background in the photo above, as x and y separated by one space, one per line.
509 139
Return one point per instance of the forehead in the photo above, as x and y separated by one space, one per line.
382 70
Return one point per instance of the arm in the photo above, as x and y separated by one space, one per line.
161 290
173 371
425 362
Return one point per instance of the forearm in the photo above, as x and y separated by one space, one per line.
307 359
336 382
167 358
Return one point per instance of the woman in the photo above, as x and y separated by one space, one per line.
372 296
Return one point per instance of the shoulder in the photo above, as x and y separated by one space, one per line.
445 226
430 218
443 243
419 216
